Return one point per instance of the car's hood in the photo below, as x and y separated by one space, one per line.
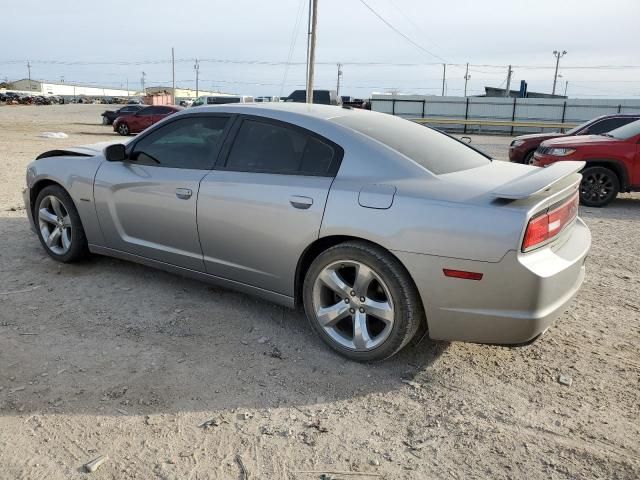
579 140
540 136
91 150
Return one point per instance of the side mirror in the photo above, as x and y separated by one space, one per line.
465 139
115 153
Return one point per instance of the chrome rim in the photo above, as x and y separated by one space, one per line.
529 160
353 305
596 187
55 225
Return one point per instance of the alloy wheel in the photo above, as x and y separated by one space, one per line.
123 129
55 225
353 305
596 187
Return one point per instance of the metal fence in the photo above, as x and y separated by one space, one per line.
570 111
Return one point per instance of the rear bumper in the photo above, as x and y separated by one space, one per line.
517 299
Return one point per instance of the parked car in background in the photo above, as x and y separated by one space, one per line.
143 118
323 97
222 99
522 147
612 162
381 228
110 115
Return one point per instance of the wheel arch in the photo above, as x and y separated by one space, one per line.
40 185
324 243
614 165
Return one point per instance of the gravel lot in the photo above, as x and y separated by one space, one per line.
112 358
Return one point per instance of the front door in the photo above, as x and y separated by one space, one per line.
263 205
146 205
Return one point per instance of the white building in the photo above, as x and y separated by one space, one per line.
69 89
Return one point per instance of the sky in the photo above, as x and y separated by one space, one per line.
257 47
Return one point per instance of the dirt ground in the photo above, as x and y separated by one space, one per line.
111 358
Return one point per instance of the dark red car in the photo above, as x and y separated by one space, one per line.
613 162
137 122
522 147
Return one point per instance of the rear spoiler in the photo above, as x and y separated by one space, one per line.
538 180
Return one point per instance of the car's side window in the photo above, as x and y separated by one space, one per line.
266 147
607 125
191 142
146 111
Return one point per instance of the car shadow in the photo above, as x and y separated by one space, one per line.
110 337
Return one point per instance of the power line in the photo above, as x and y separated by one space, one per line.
332 63
400 33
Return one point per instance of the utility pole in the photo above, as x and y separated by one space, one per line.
196 67
444 76
466 79
173 75
142 83
29 70
507 90
338 84
127 87
566 84
558 54
311 57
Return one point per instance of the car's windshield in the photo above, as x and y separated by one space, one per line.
435 151
626 131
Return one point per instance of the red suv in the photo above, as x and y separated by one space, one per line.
137 122
522 147
613 162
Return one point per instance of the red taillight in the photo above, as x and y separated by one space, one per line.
546 226
462 274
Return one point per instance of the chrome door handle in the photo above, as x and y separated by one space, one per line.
183 193
298 201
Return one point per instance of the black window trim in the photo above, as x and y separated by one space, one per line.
223 156
130 148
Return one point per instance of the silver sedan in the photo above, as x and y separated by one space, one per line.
381 228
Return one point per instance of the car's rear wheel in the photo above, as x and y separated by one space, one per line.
58 225
528 158
123 129
599 186
361 301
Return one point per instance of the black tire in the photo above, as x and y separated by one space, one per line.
408 311
528 158
123 129
78 248
599 186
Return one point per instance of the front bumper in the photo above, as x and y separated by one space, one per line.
26 197
517 299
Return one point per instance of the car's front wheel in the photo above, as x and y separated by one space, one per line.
361 301
123 129
58 225
599 186
528 158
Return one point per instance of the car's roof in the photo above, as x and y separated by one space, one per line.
324 112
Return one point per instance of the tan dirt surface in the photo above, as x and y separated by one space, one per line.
111 358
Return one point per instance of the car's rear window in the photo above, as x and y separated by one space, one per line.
435 151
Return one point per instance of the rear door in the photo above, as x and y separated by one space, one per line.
146 205
263 204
